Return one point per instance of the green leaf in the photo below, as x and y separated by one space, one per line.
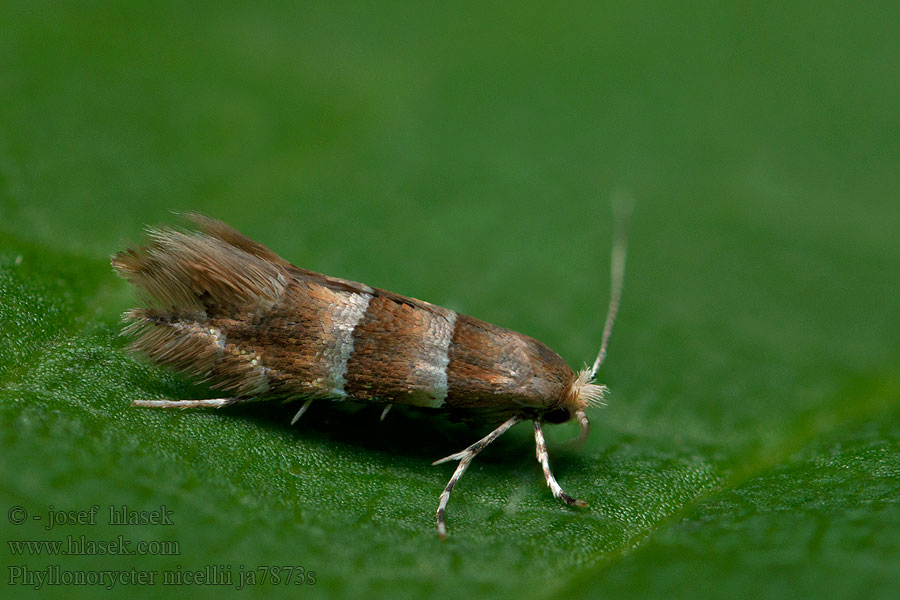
464 154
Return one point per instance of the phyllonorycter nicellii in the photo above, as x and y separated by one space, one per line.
229 311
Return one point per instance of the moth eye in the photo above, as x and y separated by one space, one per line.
557 415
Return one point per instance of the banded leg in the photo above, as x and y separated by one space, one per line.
301 411
464 458
541 452
205 403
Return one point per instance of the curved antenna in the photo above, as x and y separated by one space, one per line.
622 205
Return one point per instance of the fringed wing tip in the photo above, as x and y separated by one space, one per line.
183 269
125 263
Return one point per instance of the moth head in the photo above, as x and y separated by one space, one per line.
583 392
580 393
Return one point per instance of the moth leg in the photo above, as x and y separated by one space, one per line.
301 411
584 428
464 458
541 452
206 403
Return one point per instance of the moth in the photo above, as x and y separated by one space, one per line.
228 311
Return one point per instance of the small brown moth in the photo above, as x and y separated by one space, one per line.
227 310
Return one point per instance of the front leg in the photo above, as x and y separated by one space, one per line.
541 452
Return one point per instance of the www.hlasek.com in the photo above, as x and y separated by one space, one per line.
81 545
218 575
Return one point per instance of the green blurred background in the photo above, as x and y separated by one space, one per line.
465 153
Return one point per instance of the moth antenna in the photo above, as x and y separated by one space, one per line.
622 204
